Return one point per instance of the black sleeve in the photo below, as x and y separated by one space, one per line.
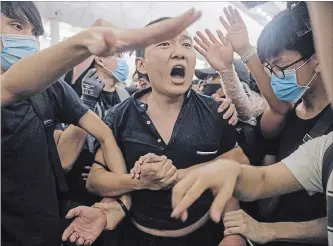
68 106
228 135
131 90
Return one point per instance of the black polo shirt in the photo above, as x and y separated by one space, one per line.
200 134
29 204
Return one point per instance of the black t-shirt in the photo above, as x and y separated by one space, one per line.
297 206
30 212
200 134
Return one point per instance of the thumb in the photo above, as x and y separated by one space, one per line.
73 212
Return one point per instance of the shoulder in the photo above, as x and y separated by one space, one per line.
206 101
131 90
117 112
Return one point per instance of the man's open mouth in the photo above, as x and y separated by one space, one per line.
178 72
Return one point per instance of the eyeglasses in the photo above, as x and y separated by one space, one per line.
279 71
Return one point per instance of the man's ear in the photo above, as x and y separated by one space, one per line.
316 63
140 65
99 61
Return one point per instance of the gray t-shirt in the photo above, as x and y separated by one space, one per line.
306 165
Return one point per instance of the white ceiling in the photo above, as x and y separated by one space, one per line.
138 14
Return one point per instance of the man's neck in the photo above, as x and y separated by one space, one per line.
313 102
109 83
164 103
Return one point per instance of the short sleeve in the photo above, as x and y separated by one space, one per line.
69 107
306 163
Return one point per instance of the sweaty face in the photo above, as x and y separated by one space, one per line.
170 65
305 73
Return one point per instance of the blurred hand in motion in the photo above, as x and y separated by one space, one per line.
220 176
236 30
231 114
157 172
218 53
87 226
105 39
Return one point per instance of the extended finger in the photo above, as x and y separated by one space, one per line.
74 237
158 32
211 36
224 23
67 232
73 212
238 16
189 198
229 112
234 119
201 51
221 37
80 241
179 191
221 199
203 38
224 105
232 14
200 43
228 15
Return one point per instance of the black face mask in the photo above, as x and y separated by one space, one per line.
211 89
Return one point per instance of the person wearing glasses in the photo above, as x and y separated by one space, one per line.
290 61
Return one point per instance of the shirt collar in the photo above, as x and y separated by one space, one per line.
142 107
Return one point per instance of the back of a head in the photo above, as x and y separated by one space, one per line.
282 33
25 12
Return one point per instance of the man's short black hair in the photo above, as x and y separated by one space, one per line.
141 52
281 34
25 12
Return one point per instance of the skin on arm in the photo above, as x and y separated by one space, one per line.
238 36
69 145
21 81
244 182
239 222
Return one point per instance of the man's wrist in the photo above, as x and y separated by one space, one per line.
241 52
270 232
181 174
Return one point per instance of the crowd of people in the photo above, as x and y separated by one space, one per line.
240 155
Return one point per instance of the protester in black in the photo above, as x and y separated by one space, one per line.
26 168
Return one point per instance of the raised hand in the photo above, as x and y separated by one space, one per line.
236 30
220 176
87 226
218 53
109 39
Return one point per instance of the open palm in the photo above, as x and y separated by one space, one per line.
219 53
111 39
236 30
87 226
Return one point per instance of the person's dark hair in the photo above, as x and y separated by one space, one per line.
281 34
25 12
141 52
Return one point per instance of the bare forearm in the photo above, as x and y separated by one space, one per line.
37 72
271 123
70 146
109 184
299 232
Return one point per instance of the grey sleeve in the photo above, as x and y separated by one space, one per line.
306 163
